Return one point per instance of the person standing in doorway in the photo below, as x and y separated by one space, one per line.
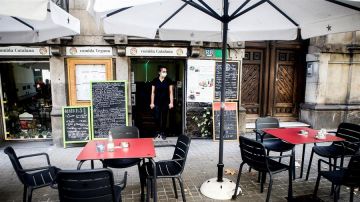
162 99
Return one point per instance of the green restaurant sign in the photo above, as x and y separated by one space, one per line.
214 53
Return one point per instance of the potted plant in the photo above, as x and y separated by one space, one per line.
204 122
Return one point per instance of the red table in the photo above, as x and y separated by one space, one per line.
138 148
293 136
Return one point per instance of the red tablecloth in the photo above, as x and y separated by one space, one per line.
138 148
293 136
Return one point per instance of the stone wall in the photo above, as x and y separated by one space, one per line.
332 92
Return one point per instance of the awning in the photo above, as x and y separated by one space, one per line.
18 25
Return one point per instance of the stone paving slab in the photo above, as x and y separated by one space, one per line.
200 166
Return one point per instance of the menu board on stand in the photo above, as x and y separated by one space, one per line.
231 81
109 106
76 124
231 129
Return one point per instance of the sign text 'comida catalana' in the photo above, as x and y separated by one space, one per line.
24 51
156 51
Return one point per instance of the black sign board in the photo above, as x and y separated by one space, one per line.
230 122
109 106
76 124
231 80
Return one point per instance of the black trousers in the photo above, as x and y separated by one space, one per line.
160 115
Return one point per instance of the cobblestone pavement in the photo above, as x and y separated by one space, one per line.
200 166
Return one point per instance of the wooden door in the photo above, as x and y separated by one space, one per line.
284 103
252 82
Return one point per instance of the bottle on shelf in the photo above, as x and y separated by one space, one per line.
110 144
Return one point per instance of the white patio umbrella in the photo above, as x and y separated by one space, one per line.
30 21
229 20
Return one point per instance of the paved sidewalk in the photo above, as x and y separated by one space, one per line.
200 166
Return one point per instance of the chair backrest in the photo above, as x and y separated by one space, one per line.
181 150
15 162
351 133
125 132
266 122
89 185
352 173
253 153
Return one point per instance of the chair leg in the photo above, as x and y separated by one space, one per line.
290 189
280 158
25 194
330 164
293 163
259 177
238 181
351 194
309 166
269 189
151 188
148 189
317 185
336 194
263 177
29 194
142 183
174 185
182 188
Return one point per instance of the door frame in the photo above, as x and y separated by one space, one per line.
268 73
183 111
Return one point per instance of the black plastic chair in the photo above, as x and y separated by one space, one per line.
123 132
348 131
349 176
33 178
87 185
270 142
253 153
168 168
118 133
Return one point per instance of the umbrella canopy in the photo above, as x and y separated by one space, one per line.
25 27
21 8
248 19
229 20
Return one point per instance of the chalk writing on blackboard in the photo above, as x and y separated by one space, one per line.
230 121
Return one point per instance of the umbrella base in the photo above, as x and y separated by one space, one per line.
218 190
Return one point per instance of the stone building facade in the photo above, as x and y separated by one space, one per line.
332 92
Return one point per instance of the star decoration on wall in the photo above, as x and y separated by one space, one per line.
328 28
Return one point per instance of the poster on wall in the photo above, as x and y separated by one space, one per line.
84 75
200 80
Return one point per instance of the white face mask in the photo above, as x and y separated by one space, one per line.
163 74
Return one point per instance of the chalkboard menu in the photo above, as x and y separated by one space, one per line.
231 80
109 106
230 121
76 124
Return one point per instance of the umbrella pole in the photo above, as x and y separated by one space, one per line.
220 164
218 187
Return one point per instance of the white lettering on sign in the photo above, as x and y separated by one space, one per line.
27 51
156 51
89 51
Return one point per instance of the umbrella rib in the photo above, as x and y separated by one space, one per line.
344 4
248 9
209 8
240 7
24 23
117 11
173 15
197 6
283 13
